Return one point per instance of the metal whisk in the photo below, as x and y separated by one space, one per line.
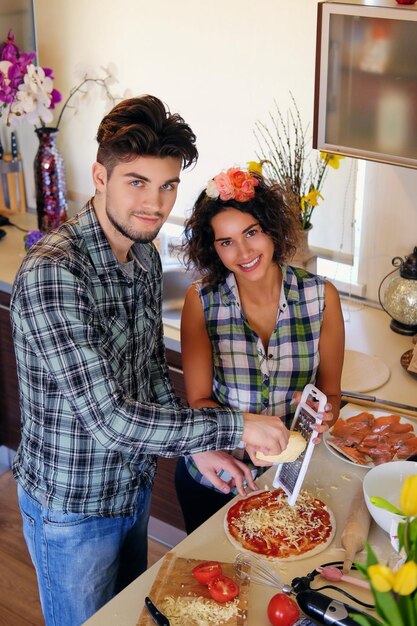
257 571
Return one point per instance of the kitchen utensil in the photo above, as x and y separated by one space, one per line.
255 569
356 530
334 574
372 401
290 476
158 617
325 610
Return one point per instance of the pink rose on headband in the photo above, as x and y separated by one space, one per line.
234 184
224 186
244 184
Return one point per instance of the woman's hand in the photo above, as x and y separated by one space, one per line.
328 418
211 462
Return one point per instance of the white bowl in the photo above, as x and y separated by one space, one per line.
386 481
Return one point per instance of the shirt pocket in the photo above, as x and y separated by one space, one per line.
116 341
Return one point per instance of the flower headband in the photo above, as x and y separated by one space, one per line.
232 185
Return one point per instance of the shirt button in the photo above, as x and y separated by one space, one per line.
270 356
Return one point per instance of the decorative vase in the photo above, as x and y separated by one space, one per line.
50 184
303 256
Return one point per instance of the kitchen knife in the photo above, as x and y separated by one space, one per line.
158 617
373 400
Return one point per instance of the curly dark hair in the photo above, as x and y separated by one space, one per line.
144 127
267 206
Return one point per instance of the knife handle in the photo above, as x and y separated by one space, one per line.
13 145
158 617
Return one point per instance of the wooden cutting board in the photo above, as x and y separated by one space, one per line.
175 579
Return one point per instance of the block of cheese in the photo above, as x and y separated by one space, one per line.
296 445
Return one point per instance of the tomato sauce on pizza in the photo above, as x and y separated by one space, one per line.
264 523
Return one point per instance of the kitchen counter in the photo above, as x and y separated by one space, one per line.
12 249
336 487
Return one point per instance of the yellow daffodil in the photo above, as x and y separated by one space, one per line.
332 159
255 167
408 497
405 581
312 198
382 577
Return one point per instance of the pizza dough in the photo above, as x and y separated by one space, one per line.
266 525
296 445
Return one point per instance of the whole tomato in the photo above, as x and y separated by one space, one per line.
283 610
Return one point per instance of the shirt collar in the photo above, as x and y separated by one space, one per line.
101 254
290 283
230 294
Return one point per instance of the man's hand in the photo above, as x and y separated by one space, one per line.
211 462
265 433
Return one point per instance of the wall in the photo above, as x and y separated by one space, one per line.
221 65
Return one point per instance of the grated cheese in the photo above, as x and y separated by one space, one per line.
292 521
202 611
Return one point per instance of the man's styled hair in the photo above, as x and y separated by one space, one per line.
144 127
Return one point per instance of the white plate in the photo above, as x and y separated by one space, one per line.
348 411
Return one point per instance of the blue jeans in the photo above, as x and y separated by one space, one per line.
83 561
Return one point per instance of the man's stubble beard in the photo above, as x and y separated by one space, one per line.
129 234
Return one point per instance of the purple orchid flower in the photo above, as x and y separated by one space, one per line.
9 50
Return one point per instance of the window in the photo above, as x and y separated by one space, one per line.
344 273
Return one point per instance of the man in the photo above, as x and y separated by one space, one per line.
96 401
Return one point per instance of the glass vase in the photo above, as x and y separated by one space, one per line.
50 184
303 256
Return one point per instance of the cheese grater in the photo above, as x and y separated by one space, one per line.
290 476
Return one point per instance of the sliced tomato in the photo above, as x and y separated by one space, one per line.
206 571
283 610
223 589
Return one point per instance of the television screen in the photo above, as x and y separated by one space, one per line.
366 81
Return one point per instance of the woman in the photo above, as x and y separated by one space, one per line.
254 330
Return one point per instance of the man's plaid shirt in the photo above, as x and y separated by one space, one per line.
96 402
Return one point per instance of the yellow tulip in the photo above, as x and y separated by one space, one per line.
406 579
332 159
408 497
312 198
382 577
255 167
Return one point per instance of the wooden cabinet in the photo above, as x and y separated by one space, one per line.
165 504
9 404
366 81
